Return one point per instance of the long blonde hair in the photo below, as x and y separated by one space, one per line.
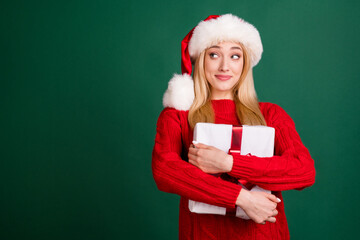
244 95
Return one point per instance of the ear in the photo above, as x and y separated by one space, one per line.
180 92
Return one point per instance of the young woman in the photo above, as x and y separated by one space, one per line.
223 50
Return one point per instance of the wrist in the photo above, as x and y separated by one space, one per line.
243 198
229 163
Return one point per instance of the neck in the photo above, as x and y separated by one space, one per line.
216 95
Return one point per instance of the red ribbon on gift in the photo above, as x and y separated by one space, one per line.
236 139
236 149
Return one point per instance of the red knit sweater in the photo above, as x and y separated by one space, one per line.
291 168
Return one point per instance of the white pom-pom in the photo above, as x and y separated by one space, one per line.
180 92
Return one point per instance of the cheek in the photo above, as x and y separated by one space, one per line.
210 65
237 68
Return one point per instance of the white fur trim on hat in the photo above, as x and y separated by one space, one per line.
226 28
180 92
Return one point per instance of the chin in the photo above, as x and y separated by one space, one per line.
224 87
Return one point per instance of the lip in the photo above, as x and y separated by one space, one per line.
223 77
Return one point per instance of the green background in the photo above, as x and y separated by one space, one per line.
81 88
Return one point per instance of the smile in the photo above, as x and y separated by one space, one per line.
223 77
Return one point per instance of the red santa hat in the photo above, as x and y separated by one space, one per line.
214 29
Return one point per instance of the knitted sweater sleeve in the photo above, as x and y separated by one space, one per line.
291 167
172 174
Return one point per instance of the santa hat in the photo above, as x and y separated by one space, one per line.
214 29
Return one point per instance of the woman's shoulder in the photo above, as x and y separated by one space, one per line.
273 112
169 114
268 106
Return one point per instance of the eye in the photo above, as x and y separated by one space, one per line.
213 55
236 56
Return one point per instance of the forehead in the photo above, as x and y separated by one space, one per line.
226 45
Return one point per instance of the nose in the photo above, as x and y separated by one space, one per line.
224 67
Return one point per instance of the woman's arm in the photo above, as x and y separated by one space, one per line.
174 175
290 168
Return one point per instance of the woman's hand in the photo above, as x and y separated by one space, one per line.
259 206
210 159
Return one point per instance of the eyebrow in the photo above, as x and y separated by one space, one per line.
215 46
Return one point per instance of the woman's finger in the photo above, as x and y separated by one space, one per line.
271 219
273 198
193 151
193 162
191 156
200 145
275 212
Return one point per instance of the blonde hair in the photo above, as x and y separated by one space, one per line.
244 95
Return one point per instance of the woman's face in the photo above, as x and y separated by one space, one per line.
223 65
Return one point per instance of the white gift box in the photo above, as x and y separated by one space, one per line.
256 140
